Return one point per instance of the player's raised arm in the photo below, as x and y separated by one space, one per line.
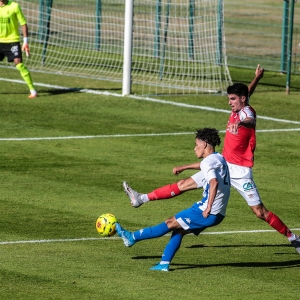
259 73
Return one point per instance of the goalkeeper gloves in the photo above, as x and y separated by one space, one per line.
25 46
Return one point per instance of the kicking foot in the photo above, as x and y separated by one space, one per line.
126 235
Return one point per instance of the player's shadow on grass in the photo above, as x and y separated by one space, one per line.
249 246
228 246
243 246
53 92
147 257
75 90
251 264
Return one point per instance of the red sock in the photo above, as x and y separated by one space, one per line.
277 224
165 192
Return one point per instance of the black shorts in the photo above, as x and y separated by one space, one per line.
11 51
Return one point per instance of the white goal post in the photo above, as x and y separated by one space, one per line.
151 46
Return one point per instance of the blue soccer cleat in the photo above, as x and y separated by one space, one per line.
160 267
126 235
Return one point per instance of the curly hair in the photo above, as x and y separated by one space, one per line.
238 89
209 135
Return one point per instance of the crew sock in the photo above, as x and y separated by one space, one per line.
172 247
26 76
165 192
278 225
151 232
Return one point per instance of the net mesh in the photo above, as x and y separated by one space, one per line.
178 46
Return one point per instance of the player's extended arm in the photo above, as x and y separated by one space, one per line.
25 46
213 187
259 73
194 166
247 122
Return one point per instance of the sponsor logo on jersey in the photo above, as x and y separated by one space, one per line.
248 186
187 220
5 20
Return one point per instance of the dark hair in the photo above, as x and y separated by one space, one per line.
209 135
238 89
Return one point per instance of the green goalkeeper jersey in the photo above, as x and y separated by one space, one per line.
10 17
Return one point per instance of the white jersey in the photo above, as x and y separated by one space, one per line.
214 166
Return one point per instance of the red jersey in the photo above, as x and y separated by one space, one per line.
239 148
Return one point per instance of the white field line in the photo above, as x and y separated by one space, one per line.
144 99
136 98
125 135
114 237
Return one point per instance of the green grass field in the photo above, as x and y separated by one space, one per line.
64 156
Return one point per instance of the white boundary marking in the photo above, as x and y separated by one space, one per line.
113 237
141 99
145 99
125 135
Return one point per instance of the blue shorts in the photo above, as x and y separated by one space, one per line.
192 220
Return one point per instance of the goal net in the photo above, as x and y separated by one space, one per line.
178 46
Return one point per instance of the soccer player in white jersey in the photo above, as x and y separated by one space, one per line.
210 211
10 17
239 146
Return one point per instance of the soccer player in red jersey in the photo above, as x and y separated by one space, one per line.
239 147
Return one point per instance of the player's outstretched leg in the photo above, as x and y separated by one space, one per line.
130 238
135 197
165 192
126 235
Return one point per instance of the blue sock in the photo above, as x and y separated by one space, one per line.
151 232
172 247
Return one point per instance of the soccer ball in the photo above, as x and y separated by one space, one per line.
106 225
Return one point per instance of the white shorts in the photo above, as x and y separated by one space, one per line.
241 179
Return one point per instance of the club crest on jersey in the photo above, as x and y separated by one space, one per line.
15 50
248 186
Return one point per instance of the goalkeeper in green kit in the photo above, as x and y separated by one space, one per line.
10 17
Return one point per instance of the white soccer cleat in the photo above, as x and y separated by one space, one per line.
296 243
135 197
